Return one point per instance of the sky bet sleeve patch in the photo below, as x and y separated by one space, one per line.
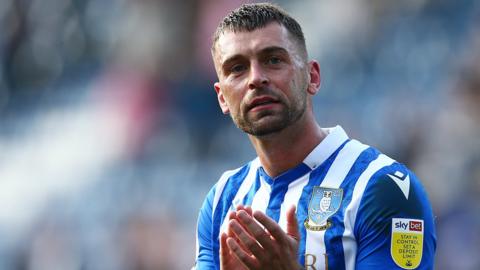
407 242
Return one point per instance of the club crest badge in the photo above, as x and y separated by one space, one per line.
323 204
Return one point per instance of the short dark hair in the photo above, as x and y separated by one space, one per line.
249 17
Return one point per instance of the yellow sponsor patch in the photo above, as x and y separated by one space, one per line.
407 242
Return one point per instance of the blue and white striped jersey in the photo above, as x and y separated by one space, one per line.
356 208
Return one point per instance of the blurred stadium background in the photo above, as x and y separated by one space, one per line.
110 133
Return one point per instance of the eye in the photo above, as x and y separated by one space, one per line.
274 60
237 68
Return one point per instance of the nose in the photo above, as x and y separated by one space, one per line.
258 77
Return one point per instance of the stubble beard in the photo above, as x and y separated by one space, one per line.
269 122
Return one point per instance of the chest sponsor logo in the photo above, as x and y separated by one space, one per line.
323 204
407 242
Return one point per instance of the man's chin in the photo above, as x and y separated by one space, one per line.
263 124
265 129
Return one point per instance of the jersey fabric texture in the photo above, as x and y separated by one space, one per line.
378 193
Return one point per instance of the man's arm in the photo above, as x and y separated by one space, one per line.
394 227
204 250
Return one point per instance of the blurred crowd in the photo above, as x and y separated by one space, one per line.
111 136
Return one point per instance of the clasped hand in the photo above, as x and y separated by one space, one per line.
255 241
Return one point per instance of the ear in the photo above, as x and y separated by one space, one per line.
221 100
315 79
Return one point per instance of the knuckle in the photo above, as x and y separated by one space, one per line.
249 243
276 231
243 257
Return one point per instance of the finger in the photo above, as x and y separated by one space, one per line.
246 241
246 208
272 227
231 233
292 224
249 210
224 250
254 229
232 215
249 261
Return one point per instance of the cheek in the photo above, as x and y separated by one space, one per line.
233 99
297 90
289 79
299 84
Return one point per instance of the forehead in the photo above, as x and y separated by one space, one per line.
249 43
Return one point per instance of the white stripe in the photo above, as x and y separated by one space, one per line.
247 183
343 163
315 240
262 197
218 191
336 137
220 186
348 238
292 196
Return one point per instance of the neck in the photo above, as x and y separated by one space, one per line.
286 149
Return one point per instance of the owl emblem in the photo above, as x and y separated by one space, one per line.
326 201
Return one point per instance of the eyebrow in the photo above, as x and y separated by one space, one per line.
266 50
273 49
231 59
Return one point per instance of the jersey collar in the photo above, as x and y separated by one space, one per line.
336 136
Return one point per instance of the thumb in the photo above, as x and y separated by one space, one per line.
292 224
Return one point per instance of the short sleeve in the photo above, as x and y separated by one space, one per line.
394 227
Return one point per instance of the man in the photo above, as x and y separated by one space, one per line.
313 198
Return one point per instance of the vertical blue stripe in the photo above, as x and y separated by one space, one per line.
230 190
316 178
280 188
204 232
333 236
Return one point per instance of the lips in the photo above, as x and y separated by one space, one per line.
261 102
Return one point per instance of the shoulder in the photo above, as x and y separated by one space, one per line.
231 179
217 190
384 181
395 204
235 175
392 192
397 187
